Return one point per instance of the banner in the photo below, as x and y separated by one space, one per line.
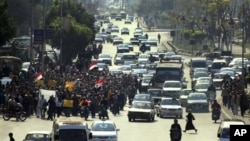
70 85
51 83
67 103
40 83
47 93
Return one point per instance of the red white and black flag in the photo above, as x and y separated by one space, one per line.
38 76
92 66
99 82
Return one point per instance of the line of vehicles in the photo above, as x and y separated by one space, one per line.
76 129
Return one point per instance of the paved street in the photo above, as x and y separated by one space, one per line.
129 131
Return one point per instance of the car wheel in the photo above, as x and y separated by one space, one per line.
161 116
181 116
129 119
157 115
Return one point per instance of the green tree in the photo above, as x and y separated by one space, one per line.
79 33
7 29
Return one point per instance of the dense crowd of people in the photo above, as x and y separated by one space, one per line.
98 87
234 95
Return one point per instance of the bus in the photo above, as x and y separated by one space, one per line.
13 65
170 70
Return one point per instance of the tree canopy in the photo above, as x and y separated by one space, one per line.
7 29
75 28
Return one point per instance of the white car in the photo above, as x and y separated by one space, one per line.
37 136
143 57
104 130
25 66
172 89
169 107
115 28
173 85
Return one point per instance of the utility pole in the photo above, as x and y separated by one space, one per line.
61 40
31 35
44 45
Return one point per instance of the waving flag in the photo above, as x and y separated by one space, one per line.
39 76
99 82
92 65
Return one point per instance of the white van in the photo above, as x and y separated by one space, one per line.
70 128
217 65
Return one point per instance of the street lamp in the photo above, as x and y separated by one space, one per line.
205 24
183 21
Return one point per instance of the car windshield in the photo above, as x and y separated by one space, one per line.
186 92
103 127
169 102
202 86
37 136
172 85
197 75
104 56
125 68
140 97
199 64
140 105
225 133
146 80
197 97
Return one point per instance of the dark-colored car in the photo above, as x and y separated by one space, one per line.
134 41
156 94
141 110
197 102
124 31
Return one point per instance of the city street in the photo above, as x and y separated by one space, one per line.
129 131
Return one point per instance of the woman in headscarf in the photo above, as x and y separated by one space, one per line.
190 125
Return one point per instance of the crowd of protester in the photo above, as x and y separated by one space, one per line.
112 89
234 96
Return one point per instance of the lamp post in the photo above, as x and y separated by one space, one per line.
205 24
43 46
183 21
243 43
61 40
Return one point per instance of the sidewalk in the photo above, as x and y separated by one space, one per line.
237 49
227 114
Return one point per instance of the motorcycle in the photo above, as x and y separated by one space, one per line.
18 114
216 114
103 113
175 134
84 112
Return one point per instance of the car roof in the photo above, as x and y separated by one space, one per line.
226 124
103 121
39 132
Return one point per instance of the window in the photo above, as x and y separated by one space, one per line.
172 85
199 64
103 127
72 135
169 102
163 74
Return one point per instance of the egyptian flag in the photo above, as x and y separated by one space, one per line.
92 66
99 82
39 76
